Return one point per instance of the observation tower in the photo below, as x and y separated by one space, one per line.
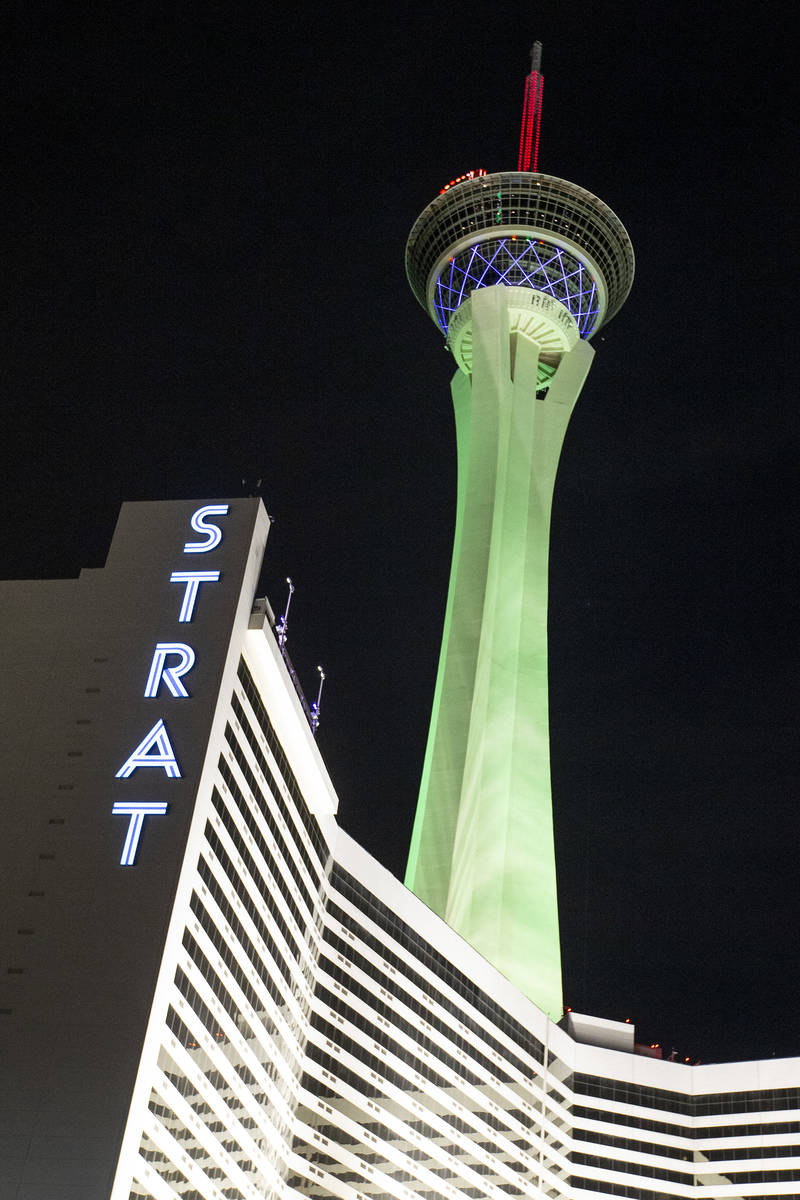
518 270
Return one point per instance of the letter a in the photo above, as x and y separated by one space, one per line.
157 738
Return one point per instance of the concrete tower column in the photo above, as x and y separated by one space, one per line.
482 852
518 270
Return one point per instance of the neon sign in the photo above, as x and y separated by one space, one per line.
171 661
213 532
192 579
143 756
171 675
137 810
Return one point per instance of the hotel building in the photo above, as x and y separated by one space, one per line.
209 990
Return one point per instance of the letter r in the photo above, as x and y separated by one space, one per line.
171 675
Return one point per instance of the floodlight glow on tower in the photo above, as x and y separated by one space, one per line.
518 270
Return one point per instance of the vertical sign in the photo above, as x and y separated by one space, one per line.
170 664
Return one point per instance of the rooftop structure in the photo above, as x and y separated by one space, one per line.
519 229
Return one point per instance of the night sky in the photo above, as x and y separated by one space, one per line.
204 283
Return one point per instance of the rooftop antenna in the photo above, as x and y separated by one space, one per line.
280 628
254 484
315 707
531 113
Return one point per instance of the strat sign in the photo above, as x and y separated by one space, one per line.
170 664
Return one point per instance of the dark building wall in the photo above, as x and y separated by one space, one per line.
81 936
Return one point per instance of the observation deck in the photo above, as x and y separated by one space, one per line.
521 229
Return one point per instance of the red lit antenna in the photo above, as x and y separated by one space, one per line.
531 113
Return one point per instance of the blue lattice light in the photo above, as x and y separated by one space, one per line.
522 228
518 262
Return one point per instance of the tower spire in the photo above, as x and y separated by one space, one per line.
531 113
506 265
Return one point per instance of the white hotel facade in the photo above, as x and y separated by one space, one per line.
248 1006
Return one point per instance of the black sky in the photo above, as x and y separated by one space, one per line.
204 236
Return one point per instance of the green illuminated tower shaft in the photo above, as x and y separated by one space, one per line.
518 269
482 850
